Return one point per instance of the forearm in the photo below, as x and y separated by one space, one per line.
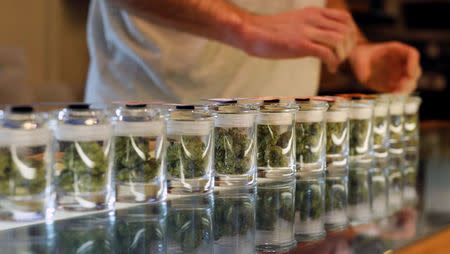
342 4
213 19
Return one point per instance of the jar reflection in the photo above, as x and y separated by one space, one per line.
234 220
189 224
141 229
92 234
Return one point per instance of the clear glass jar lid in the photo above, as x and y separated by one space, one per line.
338 108
310 110
20 125
232 114
412 105
185 119
79 122
360 107
137 119
396 103
189 112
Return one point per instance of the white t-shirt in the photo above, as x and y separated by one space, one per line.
132 59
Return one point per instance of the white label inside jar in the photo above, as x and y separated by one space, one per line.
83 133
411 108
309 116
235 120
200 128
336 116
360 113
275 118
396 108
25 137
381 110
153 128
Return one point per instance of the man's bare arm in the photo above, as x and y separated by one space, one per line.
313 31
214 19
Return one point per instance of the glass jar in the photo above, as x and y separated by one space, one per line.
234 220
25 165
83 154
276 176
336 174
310 134
139 157
378 174
190 224
276 140
396 150
310 158
189 150
141 229
412 106
360 164
235 145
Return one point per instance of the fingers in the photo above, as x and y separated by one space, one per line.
338 15
334 29
326 55
349 32
413 63
412 67
332 40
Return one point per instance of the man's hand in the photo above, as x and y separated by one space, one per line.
328 34
387 67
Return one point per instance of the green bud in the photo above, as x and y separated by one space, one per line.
233 150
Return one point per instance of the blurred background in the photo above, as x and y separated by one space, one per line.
44 57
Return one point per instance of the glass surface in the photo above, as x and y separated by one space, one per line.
102 230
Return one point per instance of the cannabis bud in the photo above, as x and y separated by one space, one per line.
379 133
272 145
336 132
13 181
233 150
133 159
187 157
309 136
84 167
359 136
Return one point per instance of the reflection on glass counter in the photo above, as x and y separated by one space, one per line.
234 220
275 215
190 224
141 229
85 235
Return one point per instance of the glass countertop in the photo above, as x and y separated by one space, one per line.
192 225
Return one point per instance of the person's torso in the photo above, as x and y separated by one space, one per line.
183 67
